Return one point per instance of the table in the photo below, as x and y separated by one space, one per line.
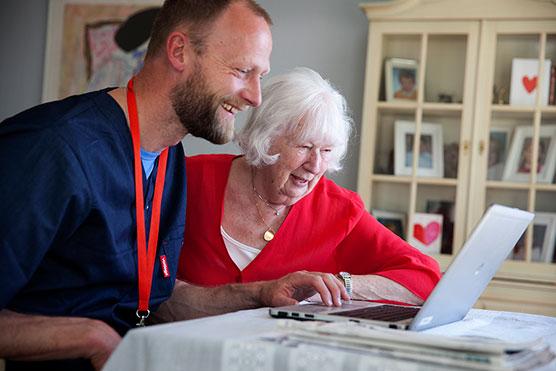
232 342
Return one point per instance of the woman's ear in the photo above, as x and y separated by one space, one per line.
179 51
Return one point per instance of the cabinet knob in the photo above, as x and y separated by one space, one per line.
481 147
465 147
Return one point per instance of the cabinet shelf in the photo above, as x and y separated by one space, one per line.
410 179
494 184
521 109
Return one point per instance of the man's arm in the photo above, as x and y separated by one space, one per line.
189 301
35 338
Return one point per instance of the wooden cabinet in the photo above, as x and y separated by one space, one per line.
460 55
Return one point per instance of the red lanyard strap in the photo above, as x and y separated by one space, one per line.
145 257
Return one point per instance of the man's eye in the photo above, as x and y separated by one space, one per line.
326 150
242 70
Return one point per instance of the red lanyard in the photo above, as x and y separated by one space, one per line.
145 258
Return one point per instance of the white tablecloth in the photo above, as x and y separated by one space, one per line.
233 342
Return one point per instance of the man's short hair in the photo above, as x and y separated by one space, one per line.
197 16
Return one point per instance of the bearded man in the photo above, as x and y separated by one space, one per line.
93 194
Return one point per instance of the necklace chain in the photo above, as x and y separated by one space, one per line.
276 210
268 235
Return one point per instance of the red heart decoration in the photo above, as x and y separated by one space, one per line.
529 84
428 234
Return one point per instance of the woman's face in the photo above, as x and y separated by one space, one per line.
297 171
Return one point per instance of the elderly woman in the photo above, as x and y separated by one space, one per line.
271 212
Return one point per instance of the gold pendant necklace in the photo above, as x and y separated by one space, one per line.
268 235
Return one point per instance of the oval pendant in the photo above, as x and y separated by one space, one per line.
268 236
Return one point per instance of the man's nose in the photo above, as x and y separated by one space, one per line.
252 92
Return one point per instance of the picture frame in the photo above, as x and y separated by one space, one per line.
82 53
447 209
499 144
394 221
519 159
544 237
426 233
524 82
431 149
402 79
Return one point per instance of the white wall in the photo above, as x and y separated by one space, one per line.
326 35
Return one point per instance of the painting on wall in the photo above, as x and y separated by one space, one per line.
93 46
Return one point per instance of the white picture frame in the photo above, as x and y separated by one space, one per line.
498 148
431 149
519 160
426 233
394 221
544 237
70 59
523 89
402 79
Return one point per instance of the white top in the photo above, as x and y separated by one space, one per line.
240 253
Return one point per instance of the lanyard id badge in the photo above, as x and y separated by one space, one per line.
145 254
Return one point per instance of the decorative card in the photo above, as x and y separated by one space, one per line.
525 81
426 233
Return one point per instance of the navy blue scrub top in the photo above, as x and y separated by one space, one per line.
67 220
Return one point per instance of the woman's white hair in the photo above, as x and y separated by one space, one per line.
299 103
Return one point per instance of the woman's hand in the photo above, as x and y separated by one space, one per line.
297 286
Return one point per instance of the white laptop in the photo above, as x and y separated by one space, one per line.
466 278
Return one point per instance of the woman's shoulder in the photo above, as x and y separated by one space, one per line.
210 159
218 162
328 190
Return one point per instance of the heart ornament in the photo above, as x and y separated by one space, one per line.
529 83
426 234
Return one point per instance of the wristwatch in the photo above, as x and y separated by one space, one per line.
346 278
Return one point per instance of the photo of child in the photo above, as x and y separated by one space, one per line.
401 79
405 88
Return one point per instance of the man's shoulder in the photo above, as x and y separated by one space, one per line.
68 112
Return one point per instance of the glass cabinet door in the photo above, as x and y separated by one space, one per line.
519 135
419 121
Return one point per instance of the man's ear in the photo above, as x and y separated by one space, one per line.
179 51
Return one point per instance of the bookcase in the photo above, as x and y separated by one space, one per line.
461 138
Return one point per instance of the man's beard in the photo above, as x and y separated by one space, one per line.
196 109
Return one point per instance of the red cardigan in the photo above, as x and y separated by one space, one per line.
328 230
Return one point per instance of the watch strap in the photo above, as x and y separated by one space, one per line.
346 278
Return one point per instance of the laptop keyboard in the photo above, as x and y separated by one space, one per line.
389 313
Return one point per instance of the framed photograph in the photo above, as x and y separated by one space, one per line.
401 79
499 143
431 149
447 210
544 237
93 45
426 233
394 221
525 78
518 166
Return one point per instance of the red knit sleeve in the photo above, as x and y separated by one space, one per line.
371 248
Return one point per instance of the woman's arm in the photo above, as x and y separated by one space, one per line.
383 266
